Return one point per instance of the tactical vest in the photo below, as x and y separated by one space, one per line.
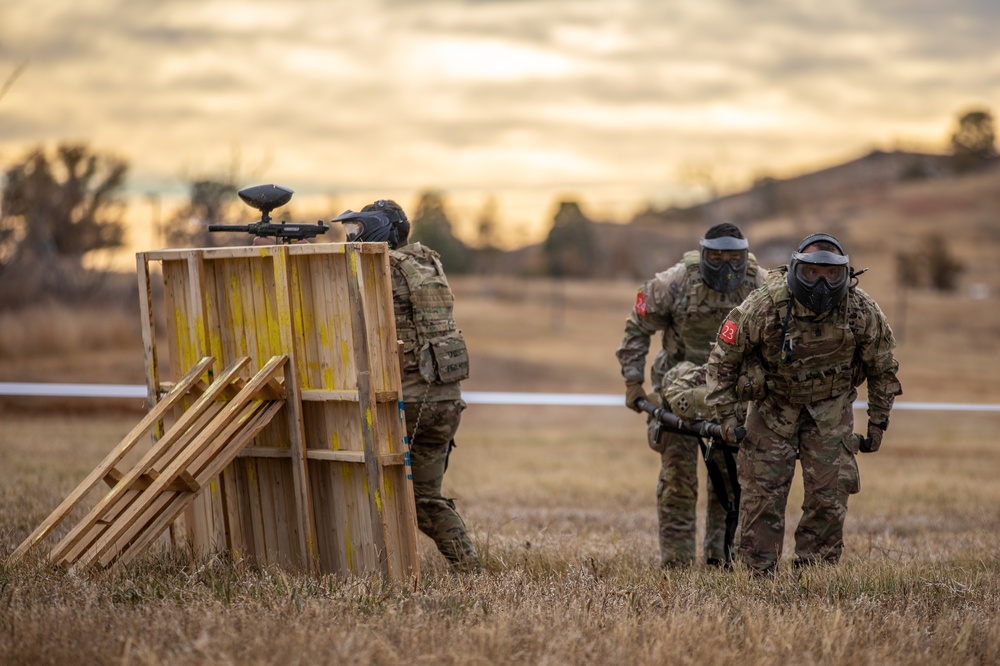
705 308
823 358
425 321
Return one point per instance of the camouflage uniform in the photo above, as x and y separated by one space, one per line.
433 363
802 409
678 303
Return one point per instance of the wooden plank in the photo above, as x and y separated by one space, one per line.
264 452
184 483
323 395
112 459
341 324
355 457
375 489
179 428
257 544
250 251
168 450
378 284
241 429
320 489
215 435
231 510
148 323
285 289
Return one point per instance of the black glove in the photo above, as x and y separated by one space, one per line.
633 393
873 441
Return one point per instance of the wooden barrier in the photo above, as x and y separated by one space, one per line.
326 485
296 454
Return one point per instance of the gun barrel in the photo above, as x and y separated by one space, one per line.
229 227
676 424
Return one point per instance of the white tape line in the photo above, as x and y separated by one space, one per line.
75 390
471 397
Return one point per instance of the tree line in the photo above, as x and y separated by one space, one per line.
59 205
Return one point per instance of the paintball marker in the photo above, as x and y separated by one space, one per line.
670 422
266 198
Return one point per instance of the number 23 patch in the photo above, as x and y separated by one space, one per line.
728 331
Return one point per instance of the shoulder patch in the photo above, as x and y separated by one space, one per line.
728 331
640 303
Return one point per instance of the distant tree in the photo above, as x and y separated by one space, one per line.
942 268
487 238
430 225
707 175
571 246
486 224
55 208
974 142
930 264
210 201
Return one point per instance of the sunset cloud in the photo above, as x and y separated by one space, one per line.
605 100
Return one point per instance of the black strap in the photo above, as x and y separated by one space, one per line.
730 505
785 355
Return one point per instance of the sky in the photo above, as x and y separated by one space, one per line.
618 104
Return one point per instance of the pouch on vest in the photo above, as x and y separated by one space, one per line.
751 384
444 360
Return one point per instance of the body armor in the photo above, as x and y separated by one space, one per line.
424 319
822 363
705 308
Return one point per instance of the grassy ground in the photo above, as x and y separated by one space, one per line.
561 503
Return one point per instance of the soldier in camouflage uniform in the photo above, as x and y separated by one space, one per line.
434 361
686 303
806 339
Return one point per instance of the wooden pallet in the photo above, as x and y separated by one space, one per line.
325 486
143 501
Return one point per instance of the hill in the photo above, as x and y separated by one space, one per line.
881 204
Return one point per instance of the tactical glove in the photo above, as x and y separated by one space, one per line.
728 428
633 393
873 441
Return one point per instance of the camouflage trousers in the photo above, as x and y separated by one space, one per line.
766 465
432 427
677 498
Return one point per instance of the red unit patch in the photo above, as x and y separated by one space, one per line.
640 304
728 331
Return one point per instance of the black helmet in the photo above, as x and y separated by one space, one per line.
819 280
724 276
380 222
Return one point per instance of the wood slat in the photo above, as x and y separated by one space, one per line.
177 430
218 430
113 458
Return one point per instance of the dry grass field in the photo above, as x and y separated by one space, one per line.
561 503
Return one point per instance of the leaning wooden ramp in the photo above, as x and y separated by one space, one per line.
222 417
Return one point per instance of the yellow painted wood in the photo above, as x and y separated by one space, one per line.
319 483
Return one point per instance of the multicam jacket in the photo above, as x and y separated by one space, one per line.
435 358
686 310
829 356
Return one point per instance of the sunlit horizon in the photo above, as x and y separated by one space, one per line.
613 104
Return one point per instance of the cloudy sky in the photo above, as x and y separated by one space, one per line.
617 103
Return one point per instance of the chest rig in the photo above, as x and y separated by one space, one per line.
424 316
703 309
813 360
